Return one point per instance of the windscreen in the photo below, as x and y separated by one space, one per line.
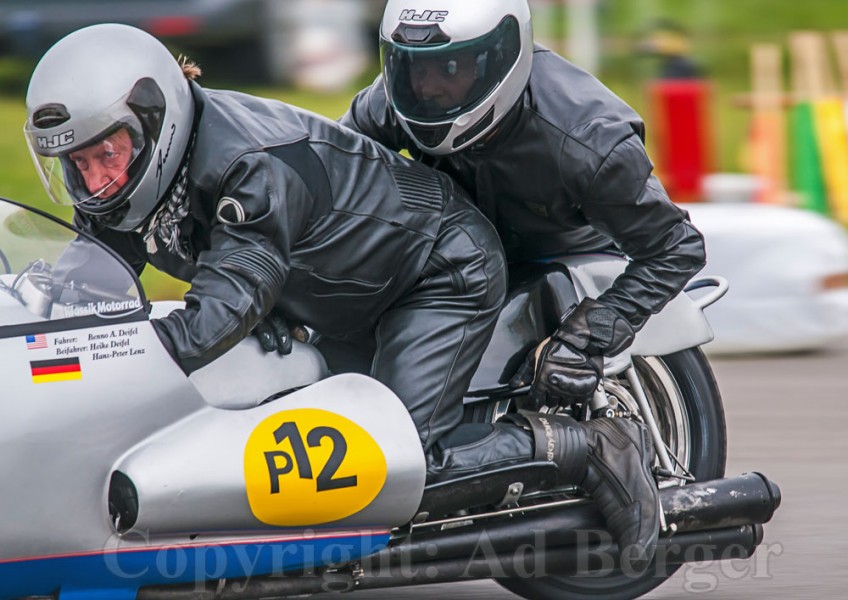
49 272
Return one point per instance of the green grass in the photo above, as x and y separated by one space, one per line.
18 178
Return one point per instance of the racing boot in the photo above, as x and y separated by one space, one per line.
609 459
478 448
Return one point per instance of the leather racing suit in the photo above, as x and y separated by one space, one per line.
291 211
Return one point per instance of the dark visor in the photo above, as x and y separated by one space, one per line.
431 84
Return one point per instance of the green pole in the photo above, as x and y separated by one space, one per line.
805 159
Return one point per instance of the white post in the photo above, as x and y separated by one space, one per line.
583 35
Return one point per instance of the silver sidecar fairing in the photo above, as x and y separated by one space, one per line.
679 325
542 292
87 388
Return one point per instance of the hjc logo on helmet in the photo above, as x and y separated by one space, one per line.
430 16
57 141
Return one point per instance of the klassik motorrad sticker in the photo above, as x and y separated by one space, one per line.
309 467
104 308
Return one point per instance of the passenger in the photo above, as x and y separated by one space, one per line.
553 158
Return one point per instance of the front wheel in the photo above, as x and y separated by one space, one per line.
685 400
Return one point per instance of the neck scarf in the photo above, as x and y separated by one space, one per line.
164 227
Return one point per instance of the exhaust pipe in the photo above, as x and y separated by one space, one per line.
714 520
749 498
719 504
597 558
596 555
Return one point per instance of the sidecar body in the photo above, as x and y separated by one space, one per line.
119 472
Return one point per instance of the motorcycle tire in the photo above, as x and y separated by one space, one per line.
684 378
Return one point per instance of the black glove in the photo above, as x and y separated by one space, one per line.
595 329
567 367
561 374
274 334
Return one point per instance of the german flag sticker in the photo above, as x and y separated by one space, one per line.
60 369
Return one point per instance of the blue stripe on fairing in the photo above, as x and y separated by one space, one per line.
119 575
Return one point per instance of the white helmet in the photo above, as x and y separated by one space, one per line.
109 117
454 68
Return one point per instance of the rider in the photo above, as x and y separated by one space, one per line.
549 155
263 207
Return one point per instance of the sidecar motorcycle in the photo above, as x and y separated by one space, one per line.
260 476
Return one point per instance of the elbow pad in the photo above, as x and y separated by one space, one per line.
260 267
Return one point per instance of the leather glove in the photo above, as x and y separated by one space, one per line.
567 367
595 329
560 374
275 335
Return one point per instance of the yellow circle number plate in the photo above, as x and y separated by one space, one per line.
309 467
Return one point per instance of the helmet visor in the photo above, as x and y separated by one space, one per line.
431 84
78 167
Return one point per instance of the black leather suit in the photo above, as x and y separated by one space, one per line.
339 233
567 173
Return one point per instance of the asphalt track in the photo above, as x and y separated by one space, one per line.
787 418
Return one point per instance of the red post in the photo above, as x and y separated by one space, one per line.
682 144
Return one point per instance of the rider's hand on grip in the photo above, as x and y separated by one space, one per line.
275 335
564 375
567 367
560 374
